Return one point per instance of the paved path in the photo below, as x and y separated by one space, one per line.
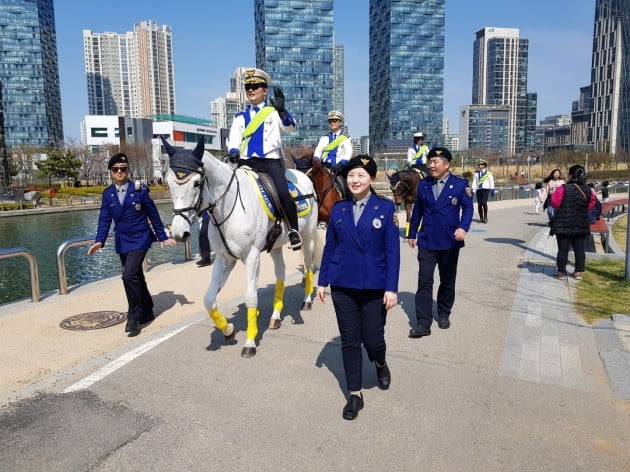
517 383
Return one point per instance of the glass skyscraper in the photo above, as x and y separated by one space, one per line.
406 91
29 73
294 45
610 78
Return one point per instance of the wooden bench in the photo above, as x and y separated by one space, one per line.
601 227
613 208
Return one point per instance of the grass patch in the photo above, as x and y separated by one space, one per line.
603 291
619 231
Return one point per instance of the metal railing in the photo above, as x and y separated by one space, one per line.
84 241
32 265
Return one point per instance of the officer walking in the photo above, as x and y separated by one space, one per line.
360 262
417 154
136 218
483 186
334 149
445 209
255 141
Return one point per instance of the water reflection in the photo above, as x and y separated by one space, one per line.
44 233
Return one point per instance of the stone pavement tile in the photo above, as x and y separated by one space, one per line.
573 378
622 324
529 370
616 358
570 356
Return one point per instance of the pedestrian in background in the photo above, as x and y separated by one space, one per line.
552 181
135 217
206 256
605 191
444 206
360 262
539 197
572 202
483 187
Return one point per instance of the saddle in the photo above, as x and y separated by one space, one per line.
270 201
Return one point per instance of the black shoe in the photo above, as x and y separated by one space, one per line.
132 327
352 408
206 261
444 322
419 332
295 240
383 376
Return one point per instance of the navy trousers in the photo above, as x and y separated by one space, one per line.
138 296
446 261
204 241
361 317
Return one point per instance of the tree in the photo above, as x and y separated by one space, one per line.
61 164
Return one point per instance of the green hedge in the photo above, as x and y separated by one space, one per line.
6 206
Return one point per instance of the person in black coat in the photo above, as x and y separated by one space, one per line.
572 202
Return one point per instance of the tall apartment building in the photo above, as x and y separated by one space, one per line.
294 45
338 78
29 73
406 72
610 77
500 61
130 74
484 127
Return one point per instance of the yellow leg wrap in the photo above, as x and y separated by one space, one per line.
219 320
278 295
308 282
407 229
252 323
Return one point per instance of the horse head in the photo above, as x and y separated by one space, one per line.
302 163
185 178
395 187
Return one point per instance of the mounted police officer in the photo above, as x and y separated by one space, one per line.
136 218
444 207
255 141
417 154
483 186
361 262
334 149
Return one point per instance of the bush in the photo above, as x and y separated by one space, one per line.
5 206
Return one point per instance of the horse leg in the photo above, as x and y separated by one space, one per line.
220 273
252 264
278 295
308 248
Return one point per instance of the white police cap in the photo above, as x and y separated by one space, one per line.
257 76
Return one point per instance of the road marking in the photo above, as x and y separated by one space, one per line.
118 363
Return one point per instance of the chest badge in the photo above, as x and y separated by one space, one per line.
376 223
454 200
137 206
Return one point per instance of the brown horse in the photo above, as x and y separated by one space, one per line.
327 188
404 186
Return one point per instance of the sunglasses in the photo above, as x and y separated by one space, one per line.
252 86
119 169
333 120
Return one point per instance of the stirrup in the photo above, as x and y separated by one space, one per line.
295 240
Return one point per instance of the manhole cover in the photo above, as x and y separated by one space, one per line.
93 320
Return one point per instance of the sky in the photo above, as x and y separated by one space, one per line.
212 38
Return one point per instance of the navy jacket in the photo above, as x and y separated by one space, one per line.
365 256
440 218
131 219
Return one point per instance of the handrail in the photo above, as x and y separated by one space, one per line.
32 265
84 241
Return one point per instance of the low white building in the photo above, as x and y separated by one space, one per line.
100 131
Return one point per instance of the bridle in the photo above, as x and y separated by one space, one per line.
406 189
198 206
322 194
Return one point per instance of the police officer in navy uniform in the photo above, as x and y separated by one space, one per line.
360 262
255 141
444 208
136 218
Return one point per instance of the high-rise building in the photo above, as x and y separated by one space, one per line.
294 45
130 74
406 72
610 77
484 127
581 118
338 78
500 61
223 109
29 73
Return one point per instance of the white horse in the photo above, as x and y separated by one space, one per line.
239 230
